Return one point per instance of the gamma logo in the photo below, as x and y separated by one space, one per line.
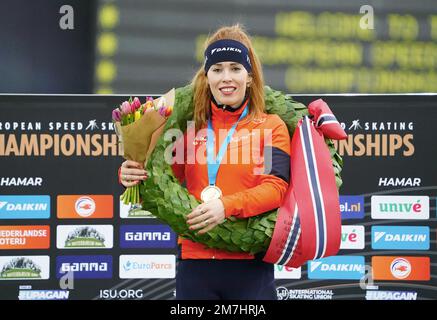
24 207
85 267
337 267
147 236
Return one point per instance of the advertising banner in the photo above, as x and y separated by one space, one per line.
64 234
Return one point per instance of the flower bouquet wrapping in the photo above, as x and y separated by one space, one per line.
138 127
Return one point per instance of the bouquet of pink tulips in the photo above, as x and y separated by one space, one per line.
138 127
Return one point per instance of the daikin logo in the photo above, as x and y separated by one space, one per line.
337 267
24 207
225 49
400 238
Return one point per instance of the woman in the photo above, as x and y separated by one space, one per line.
241 169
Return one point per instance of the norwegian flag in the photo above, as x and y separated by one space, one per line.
308 225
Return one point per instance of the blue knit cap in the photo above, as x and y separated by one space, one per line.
227 50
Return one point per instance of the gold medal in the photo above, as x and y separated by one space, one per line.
210 193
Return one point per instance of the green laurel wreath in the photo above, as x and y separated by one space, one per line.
170 202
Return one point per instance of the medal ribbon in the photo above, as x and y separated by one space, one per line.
308 225
214 164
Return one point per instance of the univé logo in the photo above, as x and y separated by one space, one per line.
352 237
283 272
400 207
84 206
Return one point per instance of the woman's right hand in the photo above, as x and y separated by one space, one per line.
132 173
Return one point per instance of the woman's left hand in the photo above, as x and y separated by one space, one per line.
206 216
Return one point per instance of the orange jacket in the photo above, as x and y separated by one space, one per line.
251 183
